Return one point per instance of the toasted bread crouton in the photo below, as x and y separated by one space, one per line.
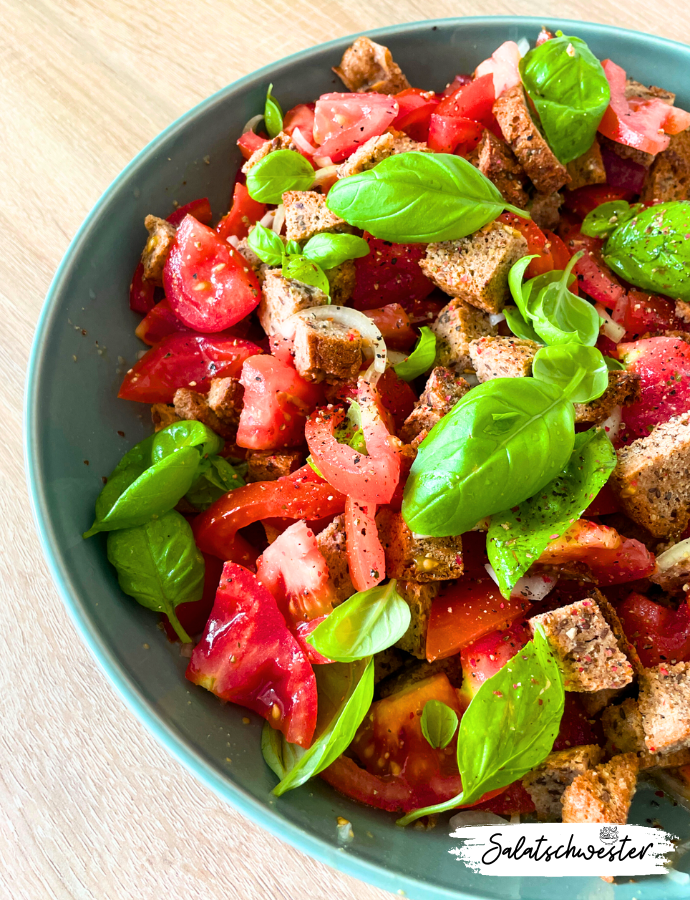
332 543
387 662
665 707
443 390
306 214
624 732
163 415
341 280
624 152
367 66
413 671
325 350
624 388
603 794
457 325
669 175
225 399
260 268
270 465
494 158
475 268
652 478
548 781
635 90
585 647
419 597
545 210
193 406
377 148
594 701
526 141
683 310
281 141
282 298
157 249
502 357
587 169
413 557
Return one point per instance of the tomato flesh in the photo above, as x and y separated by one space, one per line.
142 293
485 657
663 365
365 557
395 326
302 117
658 633
454 134
396 396
244 212
199 209
249 143
536 243
158 323
585 199
636 123
472 101
389 273
343 122
414 112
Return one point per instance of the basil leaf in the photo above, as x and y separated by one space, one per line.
560 364
292 248
273 114
159 565
477 460
439 723
345 694
267 245
561 317
418 198
330 250
605 218
614 365
185 434
370 621
567 84
422 357
125 473
517 537
509 727
652 251
215 477
315 467
301 269
280 171
519 288
518 326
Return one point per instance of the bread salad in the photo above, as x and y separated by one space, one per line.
418 491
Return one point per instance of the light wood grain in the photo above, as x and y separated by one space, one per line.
91 807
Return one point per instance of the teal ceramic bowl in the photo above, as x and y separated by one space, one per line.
73 415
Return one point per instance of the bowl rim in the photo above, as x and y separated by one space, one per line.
376 874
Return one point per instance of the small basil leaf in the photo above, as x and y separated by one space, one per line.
185 434
567 84
559 364
652 250
159 565
292 248
345 693
418 198
315 467
613 365
367 623
330 250
215 477
280 171
273 114
518 326
267 245
439 723
561 317
133 464
472 465
421 359
519 288
517 537
605 218
301 269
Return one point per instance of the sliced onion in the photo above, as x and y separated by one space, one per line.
234 240
469 817
613 424
252 123
613 330
279 219
267 220
302 143
471 379
395 357
530 587
515 819
495 318
325 174
323 161
523 45
679 554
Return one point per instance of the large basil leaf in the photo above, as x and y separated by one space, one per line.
422 357
603 220
185 434
267 245
517 537
581 372
652 250
439 723
367 623
567 84
418 198
509 727
279 171
502 442
345 693
215 477
159 565
330 250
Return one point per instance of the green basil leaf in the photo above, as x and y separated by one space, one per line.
159 565
280 171
185 434
517 537
370 621
519 288
652 250
614 365
292 248
439 723
509 727
477 461
418 198
330 250
315 467
215 477
301 269
273 114
559 365
605 218
519 326
567 84
561 317
345 693
421 359
267 245
126 472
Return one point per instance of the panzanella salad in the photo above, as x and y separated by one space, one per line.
418 491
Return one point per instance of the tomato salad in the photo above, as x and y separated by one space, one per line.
417 492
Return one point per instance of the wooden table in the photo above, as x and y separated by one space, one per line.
92 808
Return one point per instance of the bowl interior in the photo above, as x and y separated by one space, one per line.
78 429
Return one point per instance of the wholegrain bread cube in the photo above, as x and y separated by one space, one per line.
157 248
502 357
593 702
341 281
545 210
624 152
623 389
377 148
281 141
414 557
388 662
494 158
624 732
652 478
163 415
260 268
587 169
457 325
527 143
635 90
585 647
475 268
665 707
442 391
604 793
191 405
306 214
368 66
225 399
283 297
669 175
270 465
547 783
326 350
419 597
332 542
414 670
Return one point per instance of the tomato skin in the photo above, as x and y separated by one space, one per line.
276 402
207 282
585 199
397 397
199 209
636 123
603 504
243 213
658 633
560 255
250 142
453 134
302 117
248 656
577 728
194 616
663 364
593 275
415 107
301 632
365 556
642 313
159 322
141 292
394 324
343 122
536 243
390 273
510 801
472 101
182 361
484 657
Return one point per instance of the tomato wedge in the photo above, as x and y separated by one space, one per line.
390 273
660 634
472 101
142 293
453 134
365 557
250 142
158 323
243 213
414 112
343 122
395 326
396 397
536 243
663 365
302 117
200 209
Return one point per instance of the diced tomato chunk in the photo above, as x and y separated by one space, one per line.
343 122
142 293
397 397
621 173
200 209
365 556
663 365
537 243
390 273
593 275
660 634
250 142
577 728
158 323
560 254
642 313
472 101
483 658
453 134
585 199
414 112
302 117
243 213
394 324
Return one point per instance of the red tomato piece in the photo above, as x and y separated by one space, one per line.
663 364
141 292
194 616
243 213
301 632
394 324
248 656
585 199
277 401
414 112
458 82
250 142
302 117
593 275
397 397
343 122
424 312
159 322
560 255
453 134
472 101
365 557
536 243
642 313
182 361
577 728
207 282
483 658
677 120
200 209
659 634
513 800
603 504
389 273
623 174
